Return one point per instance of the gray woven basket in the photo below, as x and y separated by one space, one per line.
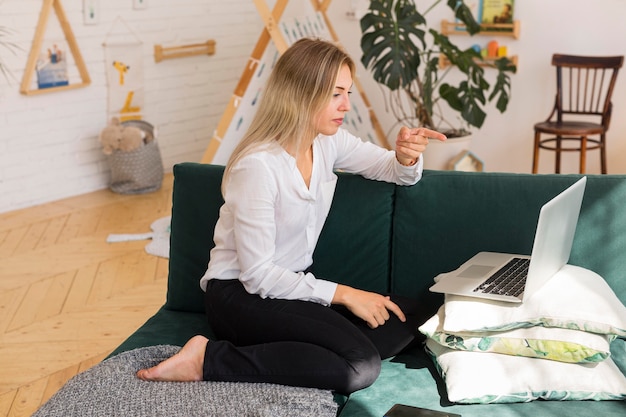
140 170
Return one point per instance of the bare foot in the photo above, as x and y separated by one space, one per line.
185 366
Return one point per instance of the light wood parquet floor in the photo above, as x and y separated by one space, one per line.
67 297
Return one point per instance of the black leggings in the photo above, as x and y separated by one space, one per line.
298 343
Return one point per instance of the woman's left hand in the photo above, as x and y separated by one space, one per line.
411 143
371 307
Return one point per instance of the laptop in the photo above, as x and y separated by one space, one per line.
512 277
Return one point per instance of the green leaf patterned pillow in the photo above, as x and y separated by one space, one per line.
483 378
575 298
564 345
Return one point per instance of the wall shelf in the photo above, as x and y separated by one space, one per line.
486 61
34 92
25 86
487 29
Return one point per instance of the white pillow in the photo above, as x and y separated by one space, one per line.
565 345
481 378
575 298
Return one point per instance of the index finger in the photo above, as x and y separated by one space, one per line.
432 134
393 307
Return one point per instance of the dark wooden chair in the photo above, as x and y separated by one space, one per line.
584 85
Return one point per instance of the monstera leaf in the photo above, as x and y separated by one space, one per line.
389 43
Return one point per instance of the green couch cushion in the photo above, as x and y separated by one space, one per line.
354 246
460 214
196 200
600 242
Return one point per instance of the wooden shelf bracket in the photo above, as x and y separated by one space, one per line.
485 62
205 48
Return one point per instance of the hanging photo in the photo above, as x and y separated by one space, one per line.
52 67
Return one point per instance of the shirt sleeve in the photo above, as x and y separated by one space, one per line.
251 194
372 161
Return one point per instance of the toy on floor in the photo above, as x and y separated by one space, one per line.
125 138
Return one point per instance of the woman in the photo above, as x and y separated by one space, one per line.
276 322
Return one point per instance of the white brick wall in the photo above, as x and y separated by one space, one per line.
48 143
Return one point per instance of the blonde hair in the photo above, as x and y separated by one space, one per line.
300 85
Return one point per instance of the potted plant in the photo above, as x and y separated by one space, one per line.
403 54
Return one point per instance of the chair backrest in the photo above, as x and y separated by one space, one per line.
585 85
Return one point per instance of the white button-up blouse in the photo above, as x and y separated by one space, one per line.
270 222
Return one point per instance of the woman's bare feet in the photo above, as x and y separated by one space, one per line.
185 366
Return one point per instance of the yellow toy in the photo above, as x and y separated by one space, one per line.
130 112
116 136
122 69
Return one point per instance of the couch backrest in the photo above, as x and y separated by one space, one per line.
196 200
354 246
448 216
436 225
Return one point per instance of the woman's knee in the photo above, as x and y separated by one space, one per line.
362 373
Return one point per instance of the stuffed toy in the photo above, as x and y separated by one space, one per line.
125 138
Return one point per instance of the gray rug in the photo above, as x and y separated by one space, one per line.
112 389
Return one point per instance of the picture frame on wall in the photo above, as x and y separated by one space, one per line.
91 12
140 4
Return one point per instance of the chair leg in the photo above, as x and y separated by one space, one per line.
557 151
536 153
603 169
583 154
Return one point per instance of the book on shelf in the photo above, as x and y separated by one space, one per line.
497 11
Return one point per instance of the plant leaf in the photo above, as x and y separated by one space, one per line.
467 100
389 42
464 14
502 88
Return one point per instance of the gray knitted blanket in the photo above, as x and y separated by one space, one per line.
112 389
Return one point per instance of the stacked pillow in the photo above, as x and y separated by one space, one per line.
560 344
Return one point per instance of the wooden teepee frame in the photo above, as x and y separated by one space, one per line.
271 32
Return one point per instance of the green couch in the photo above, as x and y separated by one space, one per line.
383 238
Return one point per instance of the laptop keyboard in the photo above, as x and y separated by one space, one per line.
508 280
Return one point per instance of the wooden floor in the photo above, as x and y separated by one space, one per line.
67 297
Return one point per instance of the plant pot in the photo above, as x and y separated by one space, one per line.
438 155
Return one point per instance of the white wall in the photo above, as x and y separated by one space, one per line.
48 143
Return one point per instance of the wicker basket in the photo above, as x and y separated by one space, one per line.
140 170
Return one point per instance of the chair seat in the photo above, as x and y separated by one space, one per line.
570 128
